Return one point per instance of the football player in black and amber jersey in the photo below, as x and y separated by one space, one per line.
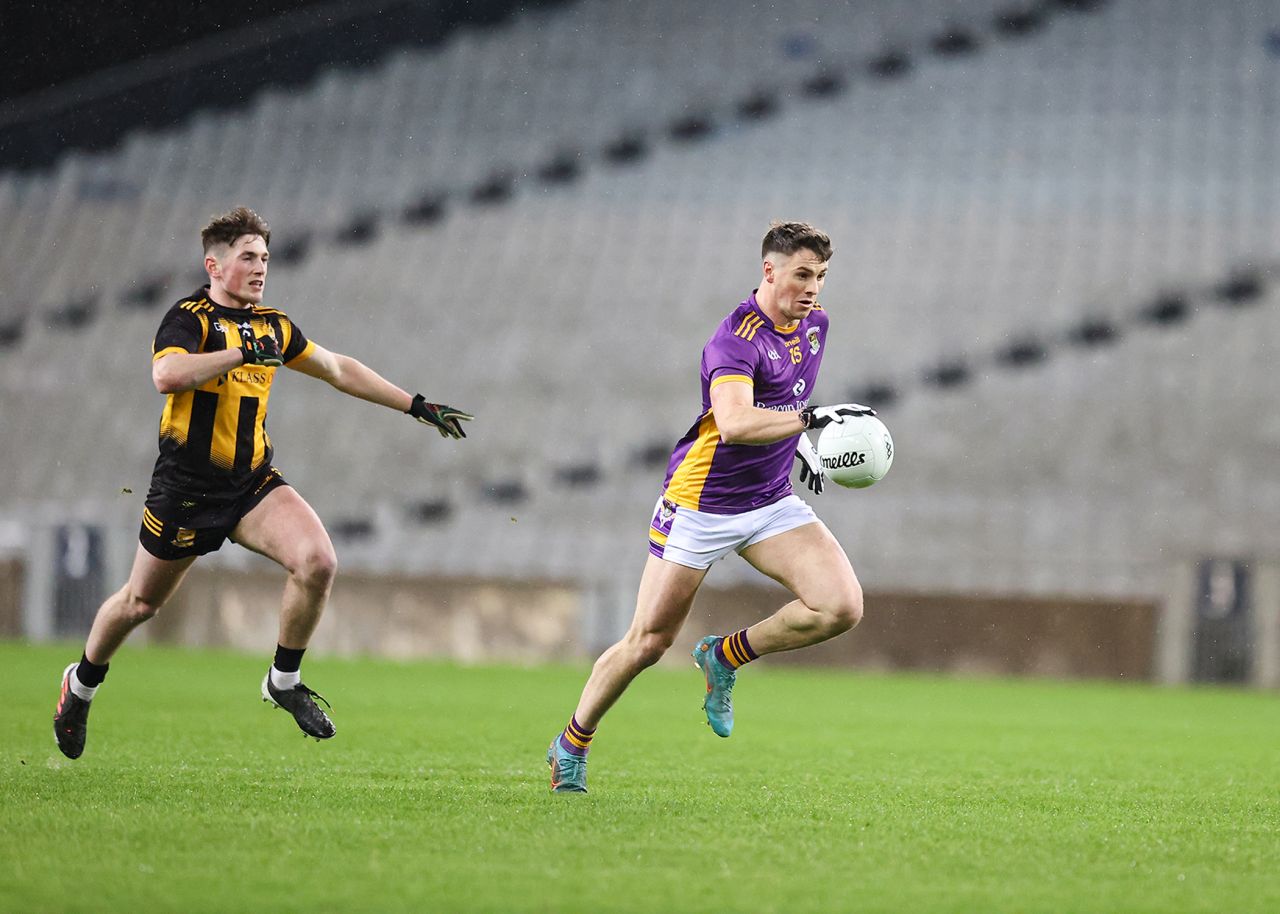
214 357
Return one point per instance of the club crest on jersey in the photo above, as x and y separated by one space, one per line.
814 343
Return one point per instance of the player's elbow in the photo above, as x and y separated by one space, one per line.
165 380
731 427
337 371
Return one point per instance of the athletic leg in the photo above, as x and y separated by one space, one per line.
285 529
809 562
151 582
662 604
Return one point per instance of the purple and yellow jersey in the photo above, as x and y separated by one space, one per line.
781 365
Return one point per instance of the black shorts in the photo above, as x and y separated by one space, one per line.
178 526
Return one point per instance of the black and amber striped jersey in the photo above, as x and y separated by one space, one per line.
214 438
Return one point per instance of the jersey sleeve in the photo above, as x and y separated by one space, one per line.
296 345
730 358
180 331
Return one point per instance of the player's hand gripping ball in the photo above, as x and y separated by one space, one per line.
856 451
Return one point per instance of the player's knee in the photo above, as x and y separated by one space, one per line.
136 608
317 567
846 616
844 612
647 648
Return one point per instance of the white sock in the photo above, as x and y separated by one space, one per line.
284 680
79 689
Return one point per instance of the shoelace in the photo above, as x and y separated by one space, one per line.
75 717
570 766
725 682
74 710
313 693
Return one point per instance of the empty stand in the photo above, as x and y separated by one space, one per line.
985 203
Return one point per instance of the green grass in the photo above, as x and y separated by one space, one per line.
838 792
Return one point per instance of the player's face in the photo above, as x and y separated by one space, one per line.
241 269
797 281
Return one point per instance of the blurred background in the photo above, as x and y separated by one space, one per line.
1057 276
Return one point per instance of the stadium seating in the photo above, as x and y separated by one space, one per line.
984 197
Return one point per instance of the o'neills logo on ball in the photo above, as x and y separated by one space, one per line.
845 460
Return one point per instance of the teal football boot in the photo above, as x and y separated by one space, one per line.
720 679
568 771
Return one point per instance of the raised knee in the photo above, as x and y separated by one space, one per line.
846 613
317 568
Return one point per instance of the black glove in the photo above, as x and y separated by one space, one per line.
260 350
822 416
810 465
444 418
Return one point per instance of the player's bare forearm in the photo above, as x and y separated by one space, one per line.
179 371
740 421
357 379
741 424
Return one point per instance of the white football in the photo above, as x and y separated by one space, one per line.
856 452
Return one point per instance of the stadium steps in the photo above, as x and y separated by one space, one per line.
1004 195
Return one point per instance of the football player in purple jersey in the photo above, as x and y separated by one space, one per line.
728 489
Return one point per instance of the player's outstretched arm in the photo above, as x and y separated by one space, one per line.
446 419
356 379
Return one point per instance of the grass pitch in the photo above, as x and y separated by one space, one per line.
838 792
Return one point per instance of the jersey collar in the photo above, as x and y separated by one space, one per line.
223 310
789 328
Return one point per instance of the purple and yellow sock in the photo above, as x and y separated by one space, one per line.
575 739
734 650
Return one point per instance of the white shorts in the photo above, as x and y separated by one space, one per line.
699 540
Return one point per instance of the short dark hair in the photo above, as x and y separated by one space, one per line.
789 237
225 229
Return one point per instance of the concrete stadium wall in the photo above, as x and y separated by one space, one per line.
985 635
475 620
382 616
1166 638
12 581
